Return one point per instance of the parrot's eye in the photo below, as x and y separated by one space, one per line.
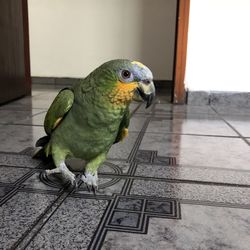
126 74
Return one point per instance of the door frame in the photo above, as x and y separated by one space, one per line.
181 38
26 47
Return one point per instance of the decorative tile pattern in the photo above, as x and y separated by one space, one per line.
125 219
182 168
129 204
107 186
35 181
158 207
131 214
148 156
201 227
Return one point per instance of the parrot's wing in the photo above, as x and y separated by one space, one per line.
58 109
123 129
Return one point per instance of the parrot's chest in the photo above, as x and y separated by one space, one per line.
107 121
91 133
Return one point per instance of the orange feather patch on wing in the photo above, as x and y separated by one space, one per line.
57 122
124 133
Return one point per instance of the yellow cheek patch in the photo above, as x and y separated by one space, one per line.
126 86
123 92
139 64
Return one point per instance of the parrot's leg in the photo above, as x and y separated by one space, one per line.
61 168
90 177
64 171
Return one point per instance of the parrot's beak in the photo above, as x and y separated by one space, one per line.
146 89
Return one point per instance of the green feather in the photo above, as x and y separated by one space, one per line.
58 109
124 124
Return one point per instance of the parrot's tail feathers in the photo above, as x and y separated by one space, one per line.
42 141
42 154
39 154
45 150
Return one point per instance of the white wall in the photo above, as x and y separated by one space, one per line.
69 38
218 57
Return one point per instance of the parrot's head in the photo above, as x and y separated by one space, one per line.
124 78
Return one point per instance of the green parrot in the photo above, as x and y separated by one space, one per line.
86 120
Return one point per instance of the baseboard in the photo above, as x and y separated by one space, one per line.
164 84
159 84
218 98
54 80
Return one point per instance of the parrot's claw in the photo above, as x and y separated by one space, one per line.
73 184
91 181
94 189
88 187
66 174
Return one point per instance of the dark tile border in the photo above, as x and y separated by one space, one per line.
141 227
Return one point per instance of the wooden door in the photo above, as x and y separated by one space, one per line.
15 80
179 93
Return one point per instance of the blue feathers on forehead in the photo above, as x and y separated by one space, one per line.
142 72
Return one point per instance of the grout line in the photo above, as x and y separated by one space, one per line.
39 191
138 140
205 135
22 109
22 124
27 117
233 128
134 111
18 167
140 136
173 180
183 166
38 113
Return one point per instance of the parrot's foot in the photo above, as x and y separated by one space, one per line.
90 180
66 174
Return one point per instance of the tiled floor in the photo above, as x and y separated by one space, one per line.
181 180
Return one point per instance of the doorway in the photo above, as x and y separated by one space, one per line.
14 46
17 73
